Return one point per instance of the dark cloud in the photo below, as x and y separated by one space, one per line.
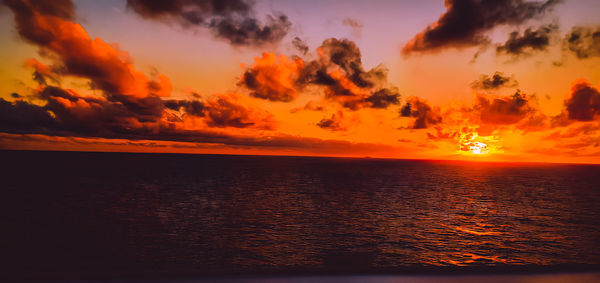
42 73
584 102
63 9
425 115
191 107
465 22
15 95
338 70
584 42
67 113
335 123
91 118
531 40
22 117
503 110
231 20
383 98
300 45
496 81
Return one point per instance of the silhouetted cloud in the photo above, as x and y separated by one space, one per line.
496 81
300 45
503 110
441 135
530 40
584 42
191 107
383 98
41 72
338 70
231 20
335 123
465 22
584 102
67 113
425 115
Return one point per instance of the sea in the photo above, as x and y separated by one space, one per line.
103 215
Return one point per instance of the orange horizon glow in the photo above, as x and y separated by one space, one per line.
69 86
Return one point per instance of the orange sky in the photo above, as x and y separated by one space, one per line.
426 84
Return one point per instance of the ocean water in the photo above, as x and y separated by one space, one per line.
116 213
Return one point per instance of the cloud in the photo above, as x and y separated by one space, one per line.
584 42
230 20
530 40
383 98
226 111
63 9
503 110
67 113
354 25
41 72
465 22
300 45
338 70
273 78
335 123
76 54
309 106
583 103
496 81
425 115
190 107
441 135
131 105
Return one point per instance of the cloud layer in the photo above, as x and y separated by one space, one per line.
465 22
230 20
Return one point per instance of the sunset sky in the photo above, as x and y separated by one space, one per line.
465 79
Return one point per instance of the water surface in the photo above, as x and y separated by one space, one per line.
80 213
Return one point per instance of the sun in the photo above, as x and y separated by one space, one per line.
471 143
476 147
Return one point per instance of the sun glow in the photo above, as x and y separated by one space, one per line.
478 148
470 142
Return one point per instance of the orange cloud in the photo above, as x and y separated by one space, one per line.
338 71
424 114
41 72
337 122
584 102
273 78
225 110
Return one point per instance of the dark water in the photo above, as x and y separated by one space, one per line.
83 213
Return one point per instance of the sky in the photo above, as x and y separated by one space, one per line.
458 79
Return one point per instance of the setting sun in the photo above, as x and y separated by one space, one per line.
478 148
262 140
